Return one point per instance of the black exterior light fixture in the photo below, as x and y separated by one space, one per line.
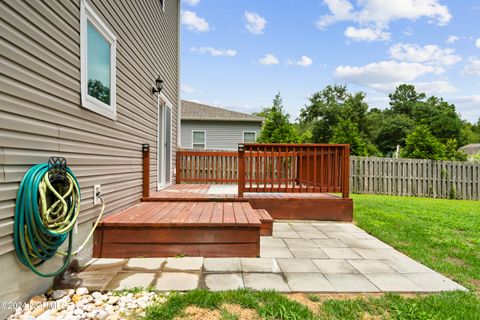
158 86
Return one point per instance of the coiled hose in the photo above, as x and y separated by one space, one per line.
45 216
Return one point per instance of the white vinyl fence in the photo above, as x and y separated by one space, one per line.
415 177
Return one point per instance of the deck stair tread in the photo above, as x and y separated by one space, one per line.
215 214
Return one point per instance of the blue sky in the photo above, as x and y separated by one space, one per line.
239 54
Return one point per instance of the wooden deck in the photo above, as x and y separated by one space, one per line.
190 192
160 229
294 206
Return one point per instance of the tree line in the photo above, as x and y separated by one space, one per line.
413 126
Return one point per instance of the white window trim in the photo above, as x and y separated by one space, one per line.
161 145
88 14
243 135
204 142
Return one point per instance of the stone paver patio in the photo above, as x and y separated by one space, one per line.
300 257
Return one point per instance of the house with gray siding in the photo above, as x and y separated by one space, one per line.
209 127
76 82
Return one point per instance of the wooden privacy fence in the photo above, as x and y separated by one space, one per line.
415 177
206 166
293 168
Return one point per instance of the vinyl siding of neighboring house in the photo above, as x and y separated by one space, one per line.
41 116
219 134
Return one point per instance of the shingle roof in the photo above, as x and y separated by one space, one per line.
471 148
197 111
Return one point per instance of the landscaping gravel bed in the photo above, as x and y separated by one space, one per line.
81 304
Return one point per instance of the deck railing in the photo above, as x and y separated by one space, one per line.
207 166
293 168
269 167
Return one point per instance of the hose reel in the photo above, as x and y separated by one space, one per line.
46 211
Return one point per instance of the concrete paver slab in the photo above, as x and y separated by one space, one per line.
222 265
224 281
350 283
329 243
256 265
130 280
178 281
297 266
312 253
273 252
371 266
186 263
265 281
272 242
341 253
145 263
334 266
392 282
305 282
433 282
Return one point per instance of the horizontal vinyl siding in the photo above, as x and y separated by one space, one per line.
40 112
219 134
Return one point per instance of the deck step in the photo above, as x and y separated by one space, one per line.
165 229
267 222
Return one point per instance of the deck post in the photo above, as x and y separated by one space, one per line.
241 170
346 172
178 173
146 170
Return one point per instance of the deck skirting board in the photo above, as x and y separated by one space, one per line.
338 209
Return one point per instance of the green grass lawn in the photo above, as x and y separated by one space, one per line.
442 234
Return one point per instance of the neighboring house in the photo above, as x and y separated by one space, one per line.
76 82
471 149
208 127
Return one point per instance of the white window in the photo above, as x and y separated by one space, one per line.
199 140
97 55
162 4
249 136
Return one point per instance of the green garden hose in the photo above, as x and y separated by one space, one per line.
45 216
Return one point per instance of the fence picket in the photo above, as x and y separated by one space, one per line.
415 177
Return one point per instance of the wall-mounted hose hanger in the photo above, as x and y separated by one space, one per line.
47 208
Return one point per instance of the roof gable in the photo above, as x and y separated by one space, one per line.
196 111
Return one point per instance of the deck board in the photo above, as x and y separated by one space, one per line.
199 192
185 214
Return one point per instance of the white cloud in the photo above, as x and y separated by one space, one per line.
477 43
342 10
185 88
378 14
435 87
303 62
452 39
214 52
382 12
254 22
384 75
429 54
268 59
469 99
366 34
468 106
194 22
191 2
472 68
